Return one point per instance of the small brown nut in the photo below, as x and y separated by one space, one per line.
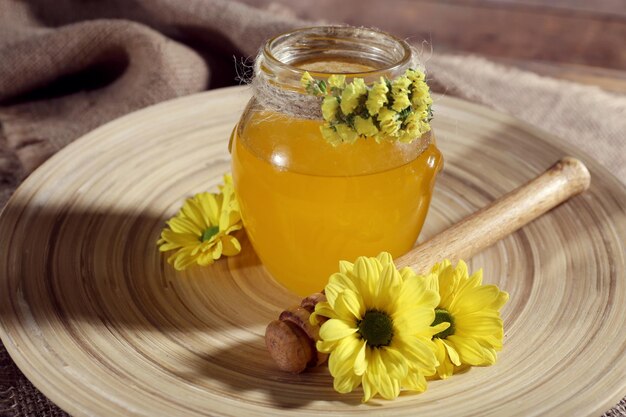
300 317
291 339
289 346
311 301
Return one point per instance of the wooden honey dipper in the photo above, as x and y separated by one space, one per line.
291 339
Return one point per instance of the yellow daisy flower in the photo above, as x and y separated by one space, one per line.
379 332
472 310
200 231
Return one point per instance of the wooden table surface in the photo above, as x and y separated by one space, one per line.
576 40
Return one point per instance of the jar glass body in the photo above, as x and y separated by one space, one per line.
307 204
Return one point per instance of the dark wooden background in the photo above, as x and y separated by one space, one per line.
579 40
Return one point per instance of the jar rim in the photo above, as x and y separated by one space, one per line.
346 32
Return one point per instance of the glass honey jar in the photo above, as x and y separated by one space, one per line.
306 204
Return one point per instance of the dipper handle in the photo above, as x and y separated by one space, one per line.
564 179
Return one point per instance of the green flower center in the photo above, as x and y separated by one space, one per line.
376 328
209 233
442 316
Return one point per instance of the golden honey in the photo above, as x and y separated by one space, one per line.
307 204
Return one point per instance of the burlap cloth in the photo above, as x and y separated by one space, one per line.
67 66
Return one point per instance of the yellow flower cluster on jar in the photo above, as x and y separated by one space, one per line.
398 109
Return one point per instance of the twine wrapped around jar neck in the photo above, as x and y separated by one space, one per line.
275 98
276 84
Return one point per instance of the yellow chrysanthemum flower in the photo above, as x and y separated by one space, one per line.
200 231
352 94
365 127
472 310
377 97
379 330
330 105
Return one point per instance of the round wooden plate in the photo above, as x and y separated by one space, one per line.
100 323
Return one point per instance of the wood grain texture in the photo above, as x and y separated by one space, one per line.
507 214
94 316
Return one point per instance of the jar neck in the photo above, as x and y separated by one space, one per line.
327 50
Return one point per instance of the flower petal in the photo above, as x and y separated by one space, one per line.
452 353
388 387
192 209
414 292
335 329
415 381
503 297
349 306
346 383
445 368
230 246
180 224
414 321
366 273
217 250
479 325
360 362
337 283
474 299
341 360
419 351
470 352
385 258
384 293
326 346
179 239
395 362
345 267
448 283
369 388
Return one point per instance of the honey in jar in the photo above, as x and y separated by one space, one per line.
305 203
